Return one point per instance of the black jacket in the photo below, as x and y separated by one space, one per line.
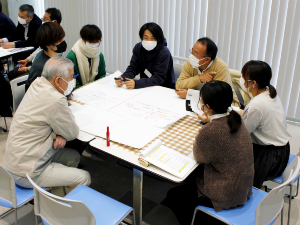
158 62
18 36
7 26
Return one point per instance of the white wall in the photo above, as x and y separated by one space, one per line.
13 8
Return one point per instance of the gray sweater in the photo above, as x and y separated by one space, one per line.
228 164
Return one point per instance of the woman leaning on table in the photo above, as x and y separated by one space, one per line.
265 120
223 148
85 54
151 59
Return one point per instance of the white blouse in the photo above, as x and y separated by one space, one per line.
265 120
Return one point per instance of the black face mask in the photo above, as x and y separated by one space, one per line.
62 47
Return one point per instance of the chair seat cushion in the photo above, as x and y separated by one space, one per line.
279 178
105 209
242 215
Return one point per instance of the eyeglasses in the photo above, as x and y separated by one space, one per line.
195 54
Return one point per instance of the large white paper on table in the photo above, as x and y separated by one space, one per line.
168 159
122 130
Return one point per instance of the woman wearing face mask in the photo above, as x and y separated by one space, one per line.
224 148
151 59
265 120
50 37
85 54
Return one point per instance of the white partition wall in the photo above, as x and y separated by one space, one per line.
267 30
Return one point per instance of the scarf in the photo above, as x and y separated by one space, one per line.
82 51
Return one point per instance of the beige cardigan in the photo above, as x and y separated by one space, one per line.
42 114
189 78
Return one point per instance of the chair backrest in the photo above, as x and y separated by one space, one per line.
292 166
235 78
18 90
268 209
7 188
60 211
177 70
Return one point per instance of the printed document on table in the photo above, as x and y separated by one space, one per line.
168 159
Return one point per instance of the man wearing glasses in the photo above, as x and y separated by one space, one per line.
203 66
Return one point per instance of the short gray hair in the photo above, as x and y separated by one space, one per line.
57 66
28 8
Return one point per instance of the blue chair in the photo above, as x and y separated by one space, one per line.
11 195
82 205
261 208
280 179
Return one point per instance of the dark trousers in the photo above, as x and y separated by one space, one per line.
78 145
269 162
184 199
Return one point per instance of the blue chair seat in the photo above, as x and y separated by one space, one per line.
237 215
106 210
279 178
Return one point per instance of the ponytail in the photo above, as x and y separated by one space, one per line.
234 121
273 92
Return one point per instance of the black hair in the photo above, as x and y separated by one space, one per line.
0 7
91 33
261 72
28 8
211 47
55 14
49 34
219 96
155 29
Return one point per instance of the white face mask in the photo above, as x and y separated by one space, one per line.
149 45
242 84
21 21
195 62
70 87
93 45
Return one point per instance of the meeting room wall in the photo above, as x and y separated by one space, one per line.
13 8
267 30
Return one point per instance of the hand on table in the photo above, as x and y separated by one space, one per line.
23 69
24 62
1 42
203 118
181 92
8 45
130 83
59 142
207 77
119 82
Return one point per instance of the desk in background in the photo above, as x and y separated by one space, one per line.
8 53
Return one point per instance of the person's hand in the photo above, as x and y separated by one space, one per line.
207 77
59 142
119 82
181 92
130 83
203 118
23 69
24 62
8 45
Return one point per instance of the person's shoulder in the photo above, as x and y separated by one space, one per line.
72 55
219 63
36 20
137 46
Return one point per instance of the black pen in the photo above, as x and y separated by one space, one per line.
117 78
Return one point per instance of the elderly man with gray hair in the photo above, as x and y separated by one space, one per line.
24 36
40 129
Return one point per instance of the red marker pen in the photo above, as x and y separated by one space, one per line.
107 137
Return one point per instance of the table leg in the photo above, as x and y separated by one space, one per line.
10 65
137 195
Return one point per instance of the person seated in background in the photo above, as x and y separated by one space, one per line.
7 26
51 15
203 66
41 127
151 59
24 36
85 54
50 38
223 148
265 120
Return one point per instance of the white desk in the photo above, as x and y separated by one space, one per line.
8 53
138 169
